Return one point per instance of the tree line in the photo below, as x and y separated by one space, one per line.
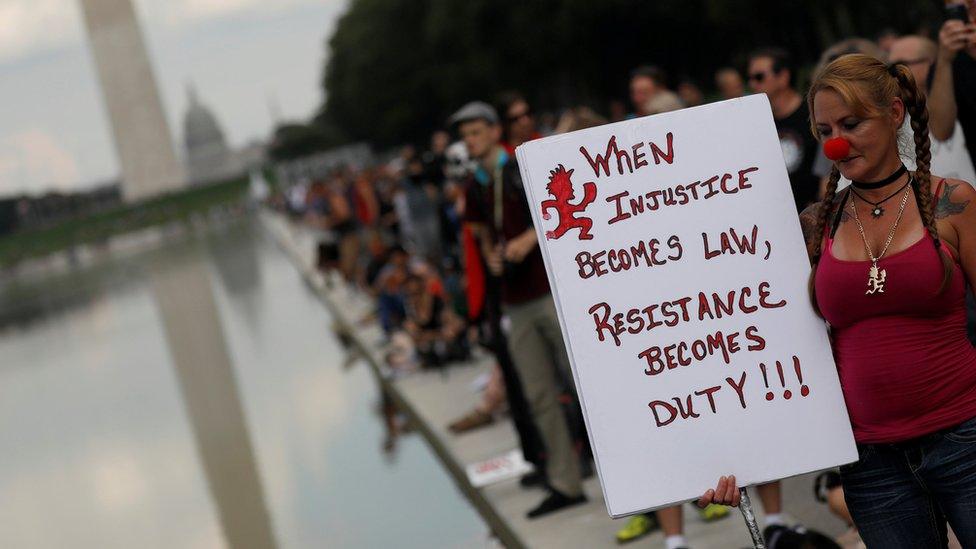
395 69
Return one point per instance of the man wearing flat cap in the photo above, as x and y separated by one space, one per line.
497 210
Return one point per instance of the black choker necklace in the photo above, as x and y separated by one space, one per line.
878 184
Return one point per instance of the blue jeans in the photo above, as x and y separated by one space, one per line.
391 311
901 495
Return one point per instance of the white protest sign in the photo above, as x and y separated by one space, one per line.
679 273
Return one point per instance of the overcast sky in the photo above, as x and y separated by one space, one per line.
241 55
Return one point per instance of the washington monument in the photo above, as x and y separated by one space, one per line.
141 134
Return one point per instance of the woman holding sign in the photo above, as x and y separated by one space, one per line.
891 257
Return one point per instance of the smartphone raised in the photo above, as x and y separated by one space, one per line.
957 12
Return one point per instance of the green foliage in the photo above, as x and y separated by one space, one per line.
101 226
299 140
398 68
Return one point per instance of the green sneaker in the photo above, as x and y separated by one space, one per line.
637 527
713 512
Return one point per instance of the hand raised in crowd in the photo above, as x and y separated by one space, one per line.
955 36
517 248
725 493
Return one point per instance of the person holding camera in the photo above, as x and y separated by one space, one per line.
952 93
498 212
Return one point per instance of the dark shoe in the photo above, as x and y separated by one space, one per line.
535 478
775 533
586 468
470 421
824 483
555 502
786 537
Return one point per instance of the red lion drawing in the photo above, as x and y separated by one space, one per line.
560 187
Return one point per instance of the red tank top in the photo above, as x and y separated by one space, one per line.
905 364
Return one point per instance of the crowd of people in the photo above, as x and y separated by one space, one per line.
444 241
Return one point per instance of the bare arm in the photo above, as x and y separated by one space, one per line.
521 246
953 37
942 102
808 222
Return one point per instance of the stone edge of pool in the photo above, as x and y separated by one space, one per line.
280 228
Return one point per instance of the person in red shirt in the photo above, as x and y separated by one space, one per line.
891 257
518 125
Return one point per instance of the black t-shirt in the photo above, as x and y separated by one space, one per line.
964 86
434 168
524 281
799 152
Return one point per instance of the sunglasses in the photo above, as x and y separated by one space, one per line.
917 61
515 118
758 76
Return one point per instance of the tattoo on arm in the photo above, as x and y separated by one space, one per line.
945 207
808 222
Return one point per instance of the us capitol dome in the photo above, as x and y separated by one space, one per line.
208 157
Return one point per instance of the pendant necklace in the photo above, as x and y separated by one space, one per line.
877 211
877 277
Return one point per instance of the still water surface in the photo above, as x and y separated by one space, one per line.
110 438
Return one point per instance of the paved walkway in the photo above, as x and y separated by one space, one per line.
432 399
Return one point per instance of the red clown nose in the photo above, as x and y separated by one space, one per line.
837 148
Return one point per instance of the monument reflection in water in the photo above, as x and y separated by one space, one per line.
206 378
112 437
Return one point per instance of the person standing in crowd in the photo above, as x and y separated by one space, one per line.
850 45
483 304
729 83
689 92
316 210
435 158
771 72
342 221
664 101
907 371
578 118
419 213
437 187
952 93
617 110
886 38
645 82
497 209
366 205
519 125
949 158
917 53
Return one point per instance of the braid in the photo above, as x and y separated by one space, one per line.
914 102
824 212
